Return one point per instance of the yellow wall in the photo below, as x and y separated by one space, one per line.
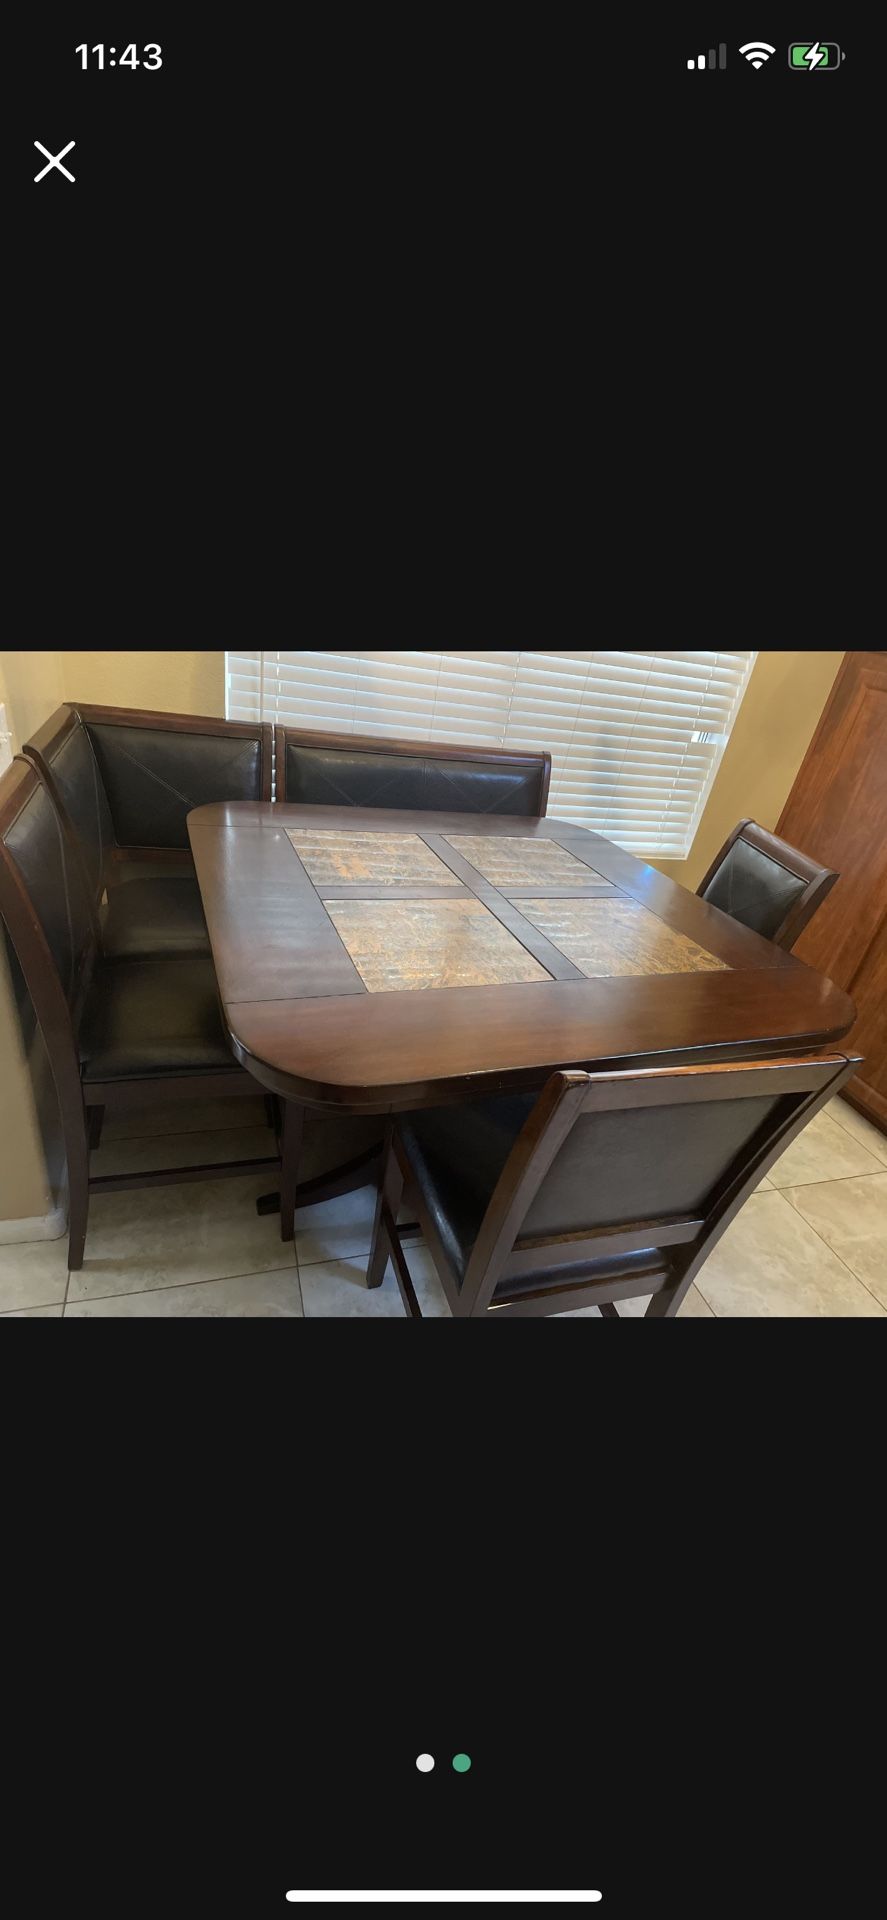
32 686
167 682
25 1186
775 725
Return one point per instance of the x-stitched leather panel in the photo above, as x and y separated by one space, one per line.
754 889
83 797
324 776
154 779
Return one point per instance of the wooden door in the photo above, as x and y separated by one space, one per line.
837 813
869 1036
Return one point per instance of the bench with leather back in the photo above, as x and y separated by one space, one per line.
357 770
115 1030
124 782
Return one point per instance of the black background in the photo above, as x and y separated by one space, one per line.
631 1577
455 323
351 310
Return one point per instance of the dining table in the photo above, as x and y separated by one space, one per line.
372 961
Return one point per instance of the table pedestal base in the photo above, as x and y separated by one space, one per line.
362 1171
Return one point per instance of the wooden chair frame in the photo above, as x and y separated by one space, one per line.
409 749
282 1115
660 1257
41 752
819 880
46 742
82 1107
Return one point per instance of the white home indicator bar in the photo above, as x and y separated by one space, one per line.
539 1897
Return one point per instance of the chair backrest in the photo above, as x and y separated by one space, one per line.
44 901
640 1168
766 884
355 770
156 767
62 753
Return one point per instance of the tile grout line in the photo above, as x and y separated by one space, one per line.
798 1186
838 1256
854 1136
834 1250
37 1306
141 1139
808 1223
211 1280
357 1253
178 1286
712 1310
144 1138
299 1280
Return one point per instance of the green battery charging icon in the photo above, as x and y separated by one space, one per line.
814 56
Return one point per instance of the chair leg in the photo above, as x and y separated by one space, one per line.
402 1273
78 1198
96 1122
664 1305
667 1303
390 1196
290 1151
609 1311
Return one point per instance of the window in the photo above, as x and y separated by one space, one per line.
635 738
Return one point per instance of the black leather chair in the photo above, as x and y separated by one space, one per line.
115 1029
766 884
603 1187
354 770
125 783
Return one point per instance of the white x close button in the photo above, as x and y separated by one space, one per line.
55 160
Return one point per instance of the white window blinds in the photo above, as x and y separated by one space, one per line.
635 738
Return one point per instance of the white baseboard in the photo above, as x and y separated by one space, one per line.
46 1226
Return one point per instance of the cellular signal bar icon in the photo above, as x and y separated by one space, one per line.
701 62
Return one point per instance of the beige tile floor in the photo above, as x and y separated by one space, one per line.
812 1240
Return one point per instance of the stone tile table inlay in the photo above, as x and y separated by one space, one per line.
399 946
381 859
517 862
322 1005
611 937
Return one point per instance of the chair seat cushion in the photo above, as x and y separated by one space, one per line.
456 1155
145 919
151 1017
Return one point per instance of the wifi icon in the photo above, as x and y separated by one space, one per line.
757 51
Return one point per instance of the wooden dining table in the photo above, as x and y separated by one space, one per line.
372 961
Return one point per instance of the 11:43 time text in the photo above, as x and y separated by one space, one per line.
128 58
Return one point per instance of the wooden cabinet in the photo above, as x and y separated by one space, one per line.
837 813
